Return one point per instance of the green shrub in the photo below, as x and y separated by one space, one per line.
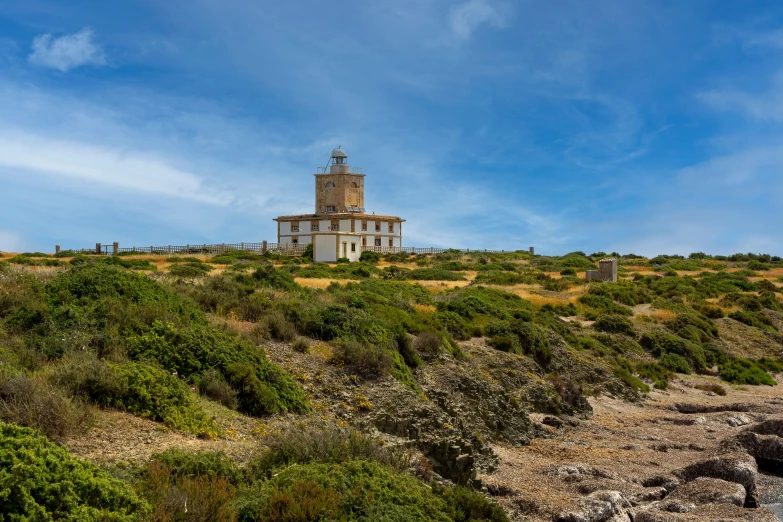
209 464
351 490
41 481
466 505
715 388
190 269
614 324
771 365
713 311
232 256
653 371
268 276
659 344
629 380
131 264
433 274
190 351
603 305
34 261
183 259
428 344
343 260
757 319
568 271
744 371
675 363
369 256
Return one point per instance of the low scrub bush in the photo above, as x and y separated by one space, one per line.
771 365
131 264
30 401
614 324
658 374
301 345
675 363
213 385
185 498
660 344
433 274
428 344
370 257
270 277
624 374
41 481
466 505
602 305
183 259
744 371
353 490
261 385
210 464
35 261
757 319
190 269
365 359
232 256
322 443
713 387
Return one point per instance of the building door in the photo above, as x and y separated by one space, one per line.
345 249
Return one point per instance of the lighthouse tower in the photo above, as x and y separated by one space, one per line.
339 190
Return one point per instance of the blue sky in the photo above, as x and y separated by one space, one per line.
629 125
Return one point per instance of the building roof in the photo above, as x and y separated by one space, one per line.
339 153
338 215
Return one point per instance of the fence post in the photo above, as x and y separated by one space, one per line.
97 248
263 247
242 245
56 249
115 247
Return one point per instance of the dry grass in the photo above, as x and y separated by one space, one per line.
319 282
425 309
663 315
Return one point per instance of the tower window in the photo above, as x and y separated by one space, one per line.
330 185
377 227
336 226
331 208
364 226
354 185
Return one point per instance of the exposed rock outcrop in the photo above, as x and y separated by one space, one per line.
740 468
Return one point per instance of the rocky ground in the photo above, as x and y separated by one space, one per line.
684 454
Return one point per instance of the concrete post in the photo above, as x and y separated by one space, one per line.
263 247
97 248
56 249
115 247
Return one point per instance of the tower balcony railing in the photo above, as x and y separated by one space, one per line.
351 170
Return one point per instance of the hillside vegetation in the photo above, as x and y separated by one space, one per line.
372 388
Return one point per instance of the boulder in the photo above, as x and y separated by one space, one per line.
601 506
740 468
580 469
764 441
705 490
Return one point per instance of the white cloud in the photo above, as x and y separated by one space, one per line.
91 164
466 18
66 52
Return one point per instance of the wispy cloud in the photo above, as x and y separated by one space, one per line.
89 163
67 52
468 17
765 106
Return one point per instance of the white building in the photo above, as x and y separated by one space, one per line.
340 222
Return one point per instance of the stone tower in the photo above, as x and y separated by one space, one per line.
339 190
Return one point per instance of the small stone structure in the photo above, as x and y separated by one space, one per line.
607 271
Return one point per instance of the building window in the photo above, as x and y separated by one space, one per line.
364 241
331 208
314 227
294 241
353 247
364 226
354 185
295 228
336 226
391 228
391 242
377 227
377 241
330 185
